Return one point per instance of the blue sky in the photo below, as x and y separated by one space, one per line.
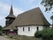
20 6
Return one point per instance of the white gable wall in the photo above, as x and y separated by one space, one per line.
26 32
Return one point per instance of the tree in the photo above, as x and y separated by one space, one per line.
48 4
1 28
52 20
46 34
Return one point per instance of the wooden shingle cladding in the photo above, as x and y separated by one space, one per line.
31 17
10 18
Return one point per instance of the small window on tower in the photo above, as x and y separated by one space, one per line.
28 28
23 28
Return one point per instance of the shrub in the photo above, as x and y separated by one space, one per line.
46 33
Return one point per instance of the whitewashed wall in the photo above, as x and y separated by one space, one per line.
32 31
41 28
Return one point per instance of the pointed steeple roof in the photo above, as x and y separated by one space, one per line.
11 13
11 10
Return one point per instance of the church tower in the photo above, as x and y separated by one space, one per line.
10 18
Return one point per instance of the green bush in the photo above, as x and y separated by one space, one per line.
46 33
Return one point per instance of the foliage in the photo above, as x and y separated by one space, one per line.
48 4
52 20
46 34
52 17
1 28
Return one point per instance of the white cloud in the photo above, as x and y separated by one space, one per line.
6 8
31 1
17 11
2 20
1 17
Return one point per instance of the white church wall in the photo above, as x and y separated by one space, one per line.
40 28
26 32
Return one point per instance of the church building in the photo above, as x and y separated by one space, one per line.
26 23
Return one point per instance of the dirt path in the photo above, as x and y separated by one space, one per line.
3 38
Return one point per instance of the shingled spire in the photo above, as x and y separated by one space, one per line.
11 15
11 10
10 18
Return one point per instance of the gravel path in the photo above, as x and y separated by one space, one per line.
3 38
